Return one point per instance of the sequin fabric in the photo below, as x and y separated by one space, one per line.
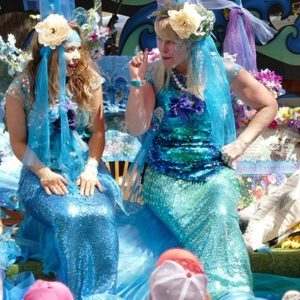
84 250
75 236
195 195
182 148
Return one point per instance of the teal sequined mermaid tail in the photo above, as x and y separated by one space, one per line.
189 188
203 218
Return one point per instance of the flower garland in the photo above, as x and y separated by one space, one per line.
287 116
256 187
271 81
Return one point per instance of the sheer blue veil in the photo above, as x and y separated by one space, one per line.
38 153
263 31
207 68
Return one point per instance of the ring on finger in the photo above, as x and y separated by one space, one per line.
92 190
225 157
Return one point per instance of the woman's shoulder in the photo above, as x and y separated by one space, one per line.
231 67
20 86
96 80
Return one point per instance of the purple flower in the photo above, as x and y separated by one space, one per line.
294 124
263 184
94 36
280 178
253 185
239 113
71 119
271 81
185 106
70 107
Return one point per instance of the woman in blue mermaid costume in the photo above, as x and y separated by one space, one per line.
68 198
188 181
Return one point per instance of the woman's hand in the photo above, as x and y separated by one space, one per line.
138 66
53 183
87 181
232 151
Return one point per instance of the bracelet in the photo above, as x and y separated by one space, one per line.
91 169
241 144
138 83
92 166
92 162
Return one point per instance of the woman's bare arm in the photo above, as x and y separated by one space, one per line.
258 97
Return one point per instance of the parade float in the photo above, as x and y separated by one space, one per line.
264 168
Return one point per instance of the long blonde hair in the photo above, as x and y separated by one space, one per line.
164 30
80 84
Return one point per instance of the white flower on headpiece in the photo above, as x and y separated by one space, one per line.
186 21
53 31
191 19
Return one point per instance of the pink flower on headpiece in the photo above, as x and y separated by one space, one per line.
94 37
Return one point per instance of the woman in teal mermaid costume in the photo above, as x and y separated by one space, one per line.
68 198
188 181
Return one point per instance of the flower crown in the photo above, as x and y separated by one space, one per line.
189 21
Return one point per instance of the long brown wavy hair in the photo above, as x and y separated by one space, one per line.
82 82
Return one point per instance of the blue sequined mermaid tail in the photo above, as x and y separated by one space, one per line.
203 218
76 235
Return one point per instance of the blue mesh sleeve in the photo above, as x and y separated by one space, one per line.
20 89
232 69
97 82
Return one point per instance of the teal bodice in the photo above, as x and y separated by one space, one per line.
182 148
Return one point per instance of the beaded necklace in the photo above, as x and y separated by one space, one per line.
178 83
